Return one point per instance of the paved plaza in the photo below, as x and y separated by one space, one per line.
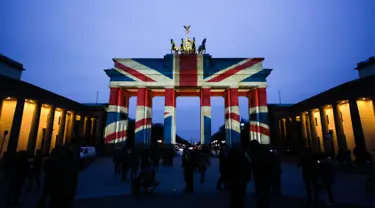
98 188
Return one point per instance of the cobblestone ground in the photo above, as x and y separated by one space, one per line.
98 188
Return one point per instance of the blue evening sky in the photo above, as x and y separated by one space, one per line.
312 45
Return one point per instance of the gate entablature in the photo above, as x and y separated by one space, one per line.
187 72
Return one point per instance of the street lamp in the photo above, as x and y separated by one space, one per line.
242 126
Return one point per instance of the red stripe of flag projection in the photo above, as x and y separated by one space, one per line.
187 72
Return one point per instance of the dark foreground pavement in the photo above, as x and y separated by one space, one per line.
98 187
214 200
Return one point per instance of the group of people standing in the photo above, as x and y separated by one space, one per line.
194 161
239 165
60 172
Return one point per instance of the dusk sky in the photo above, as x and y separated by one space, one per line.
311 45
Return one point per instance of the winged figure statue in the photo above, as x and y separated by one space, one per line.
187 29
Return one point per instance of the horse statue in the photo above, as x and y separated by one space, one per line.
182 46
174 48
193 47
202 48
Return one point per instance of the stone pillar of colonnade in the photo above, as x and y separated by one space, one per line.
304 132
341 138
170 116
60 138
328 144
143 119
258 116
88 126
357 126
81 126
294 125
314 139
16 125
117 117
34 128
72 127
232 118
92 132
205 98
49 129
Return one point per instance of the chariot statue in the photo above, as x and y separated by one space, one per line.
188 46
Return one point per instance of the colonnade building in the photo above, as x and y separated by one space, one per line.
32 118
340 118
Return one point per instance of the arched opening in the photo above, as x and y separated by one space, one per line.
188 118
217 121
130 131
157 129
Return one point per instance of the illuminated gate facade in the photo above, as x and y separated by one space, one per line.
186 71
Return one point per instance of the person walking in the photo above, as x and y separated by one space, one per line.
237 173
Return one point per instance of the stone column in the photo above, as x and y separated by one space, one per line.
357 126
314 139
170 116
295 130
16 125
205 98
71 128
143 120
99 130
258 113
92 132
284 130
117 117
81 127
60 138
34 128
1 108
328 148
340 134
88 130
48 136
304 135
232 118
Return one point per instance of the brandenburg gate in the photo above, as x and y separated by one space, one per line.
187 71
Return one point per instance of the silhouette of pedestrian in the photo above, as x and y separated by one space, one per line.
188 165
310 175
261 169
117 162
275 173
18 174
124 163
36 170
156 160
237 175
327 175
134 164
222 168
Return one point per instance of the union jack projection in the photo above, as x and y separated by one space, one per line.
187 75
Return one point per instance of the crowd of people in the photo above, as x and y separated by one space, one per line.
256 163
60 177
238 165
